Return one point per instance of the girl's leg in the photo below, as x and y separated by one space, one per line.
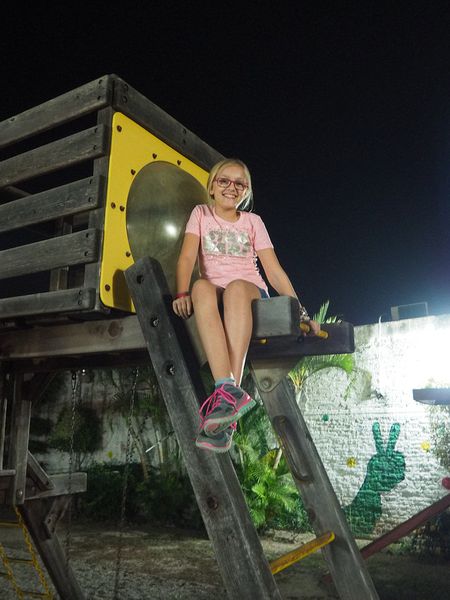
238 322
205 297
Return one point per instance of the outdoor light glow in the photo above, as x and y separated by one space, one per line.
436 352
171 230
433 368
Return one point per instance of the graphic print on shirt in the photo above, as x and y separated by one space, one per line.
227 241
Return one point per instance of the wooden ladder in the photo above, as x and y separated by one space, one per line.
244 568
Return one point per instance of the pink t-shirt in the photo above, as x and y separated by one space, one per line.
228 250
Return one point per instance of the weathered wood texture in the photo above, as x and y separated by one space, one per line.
340 339
69 151
139 108
64 301
73 249
122 335
36 513
348 570
18 441
244 568
62 201
3 412
67 107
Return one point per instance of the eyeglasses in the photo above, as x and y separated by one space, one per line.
224 182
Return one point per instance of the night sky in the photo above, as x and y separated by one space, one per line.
342 115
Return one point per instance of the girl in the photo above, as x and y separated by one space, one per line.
228 241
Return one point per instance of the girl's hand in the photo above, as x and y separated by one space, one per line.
315 327
182 307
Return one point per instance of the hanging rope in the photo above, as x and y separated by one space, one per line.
128 456
10 573
34 559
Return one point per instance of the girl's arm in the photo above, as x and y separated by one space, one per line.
188 255
278 278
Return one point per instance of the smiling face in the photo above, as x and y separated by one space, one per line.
228 198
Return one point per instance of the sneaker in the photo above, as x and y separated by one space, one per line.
219 443
228 403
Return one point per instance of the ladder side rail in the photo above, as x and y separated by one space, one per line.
347 567
40 517
244 568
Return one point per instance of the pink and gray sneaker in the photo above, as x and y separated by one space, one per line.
227 404
219 443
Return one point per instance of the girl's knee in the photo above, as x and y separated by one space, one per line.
203 289
240 289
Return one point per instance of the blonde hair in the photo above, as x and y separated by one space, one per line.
247 200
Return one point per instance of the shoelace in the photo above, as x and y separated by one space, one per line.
213 401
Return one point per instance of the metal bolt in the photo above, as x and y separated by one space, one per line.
154 321
266 383
119 128
19 493
170 369
212 502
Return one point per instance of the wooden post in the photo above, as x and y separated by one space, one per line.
18 444
244 568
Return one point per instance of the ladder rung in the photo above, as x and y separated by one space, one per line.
19 560
292 557
9 524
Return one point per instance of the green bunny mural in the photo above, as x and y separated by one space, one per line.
385 470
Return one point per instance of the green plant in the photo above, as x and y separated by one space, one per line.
148 406
167 498
163 498
103 498
266 482
86 428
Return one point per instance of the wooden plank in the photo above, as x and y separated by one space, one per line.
72 198
76 148
36 473
147 114
73 249
35 514
59 486
90 337
97 217
406 527
18 443
340 341
244 568
62 109
62 301
3 413
125 335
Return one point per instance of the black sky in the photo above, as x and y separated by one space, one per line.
342 114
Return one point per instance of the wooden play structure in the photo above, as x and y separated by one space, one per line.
95 188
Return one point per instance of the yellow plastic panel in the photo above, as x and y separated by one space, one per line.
132 148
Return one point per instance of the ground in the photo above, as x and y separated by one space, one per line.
169 564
